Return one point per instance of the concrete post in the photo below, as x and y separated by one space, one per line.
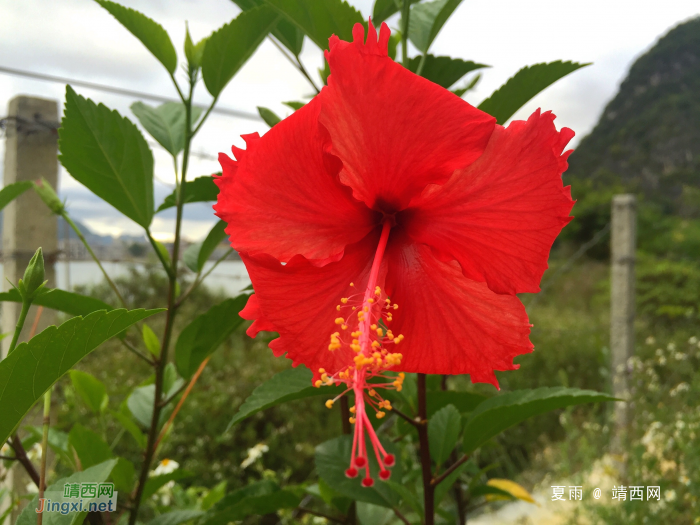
622 299
30 153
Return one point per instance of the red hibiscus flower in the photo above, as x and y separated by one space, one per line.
387 226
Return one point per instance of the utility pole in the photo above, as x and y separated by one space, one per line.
622 298
31 149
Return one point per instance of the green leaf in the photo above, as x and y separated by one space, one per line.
194 52
269 116
333 458
289 35
213 496
368 514
443 433
176 517
446 484
90 447
36 365
426 21
231 46
289 385
320 20
471 85
150 339
444 71
498 413
524 85
150 33
202 336
383 9
484 490
197 255
406 495
140 403
156 482
58 442
107 153
166 123
295 105
123 475
201 189
91 390
127 423
12 191
67 302
463 401
262 497
97 474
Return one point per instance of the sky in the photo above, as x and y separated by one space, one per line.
78 39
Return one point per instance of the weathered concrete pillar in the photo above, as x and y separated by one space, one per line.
622 298
30 153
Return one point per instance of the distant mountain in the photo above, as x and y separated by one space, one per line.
648 138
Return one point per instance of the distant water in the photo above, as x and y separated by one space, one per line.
229 276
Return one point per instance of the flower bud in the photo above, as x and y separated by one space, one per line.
44 190
33 281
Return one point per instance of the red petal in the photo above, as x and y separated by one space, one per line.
451 324
299 299
394 131
281 199
500 216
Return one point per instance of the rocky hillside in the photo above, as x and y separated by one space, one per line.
648 138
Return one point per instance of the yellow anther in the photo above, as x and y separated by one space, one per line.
321 370
387 301
380 415
354 308
352 420
355 341
380 332
396 306
329 403
377 291
373 327
338 308
372 392
376 344
324 377
339 320
387 405
377 355
318 383
366 309
370 301
344 300
352 284
344 327
353 410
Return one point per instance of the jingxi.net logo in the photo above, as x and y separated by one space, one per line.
80 497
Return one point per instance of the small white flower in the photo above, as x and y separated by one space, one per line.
166 466
5 450
254 454
671 347
31 488
670 495
693 340
35 452
680 356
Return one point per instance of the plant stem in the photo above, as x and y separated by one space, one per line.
296 63
136 351
44 449
199 279
82 238
426 468
21 456
405 13
20 324
421 63
170 317
449 471
163 261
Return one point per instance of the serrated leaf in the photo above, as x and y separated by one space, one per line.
426 21
231 46
67 302
444 71
166 123
523 86
97 474
383 9
320 20
498 413
462 401
36 365
333 458
176 517
446 484
289 35
269 116
150 33
443 432
201 189
289 385
203 336
91 390
90 447
196 255
12 191
107 153
150 339
262 497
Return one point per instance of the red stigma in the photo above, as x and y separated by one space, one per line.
389 460
360 462
367 482
351 472
384 474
